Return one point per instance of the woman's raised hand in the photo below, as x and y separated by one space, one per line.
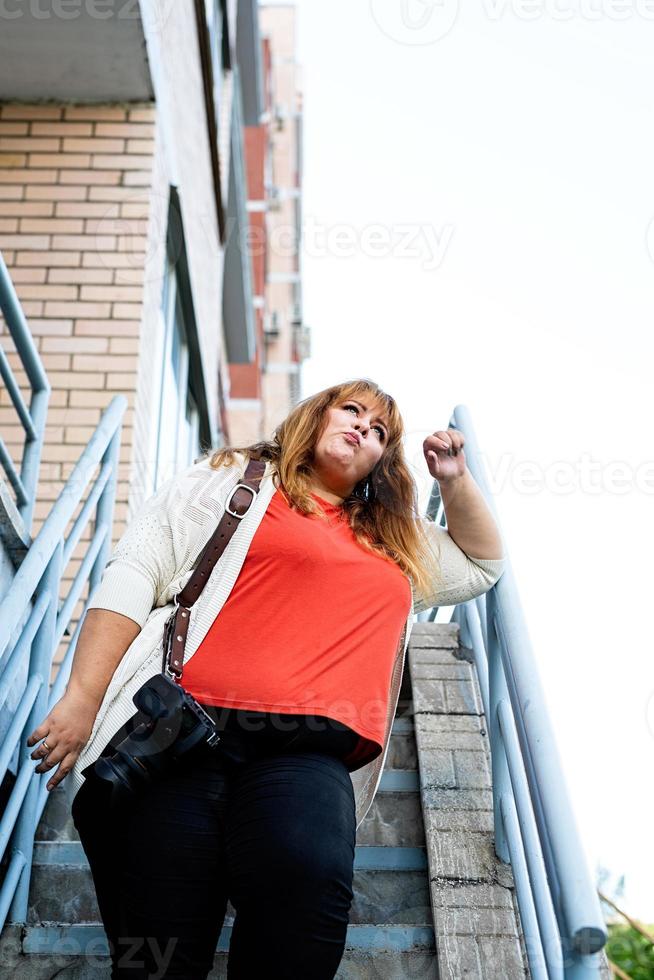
444 454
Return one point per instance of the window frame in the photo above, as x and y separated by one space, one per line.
193 429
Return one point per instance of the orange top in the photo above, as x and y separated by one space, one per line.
311 626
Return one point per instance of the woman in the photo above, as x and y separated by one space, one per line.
301 673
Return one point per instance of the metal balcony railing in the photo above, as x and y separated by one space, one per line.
32 622
33 418
535 827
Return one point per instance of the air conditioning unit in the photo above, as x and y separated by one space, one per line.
301 339
271 325
274 198
280 115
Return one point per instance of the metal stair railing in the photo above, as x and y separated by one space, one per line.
33 418
534 822
31 621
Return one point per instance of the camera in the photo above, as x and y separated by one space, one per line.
174 724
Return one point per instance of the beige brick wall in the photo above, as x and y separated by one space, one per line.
75 193
84 192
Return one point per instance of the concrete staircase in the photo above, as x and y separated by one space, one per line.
478 933
432 900
391 931
477 923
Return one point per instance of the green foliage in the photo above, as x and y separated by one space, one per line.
631 952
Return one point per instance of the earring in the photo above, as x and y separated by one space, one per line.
367 490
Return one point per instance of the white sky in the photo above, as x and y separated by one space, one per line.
519 155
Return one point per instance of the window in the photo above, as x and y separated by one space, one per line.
178 429
183 424
216 26
190 435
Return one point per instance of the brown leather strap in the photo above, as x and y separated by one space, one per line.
176 626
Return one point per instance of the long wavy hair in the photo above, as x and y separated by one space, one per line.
382 509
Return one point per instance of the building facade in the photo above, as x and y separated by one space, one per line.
136 154
262 390
288 337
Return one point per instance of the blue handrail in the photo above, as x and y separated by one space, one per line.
33 418
535 827
31 621
34 591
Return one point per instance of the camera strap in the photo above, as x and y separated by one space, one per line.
176 626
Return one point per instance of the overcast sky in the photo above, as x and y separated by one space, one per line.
478 191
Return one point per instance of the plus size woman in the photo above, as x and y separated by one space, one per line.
295 647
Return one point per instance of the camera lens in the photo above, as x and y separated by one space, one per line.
118 771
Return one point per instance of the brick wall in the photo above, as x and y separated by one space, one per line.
75 196
84 193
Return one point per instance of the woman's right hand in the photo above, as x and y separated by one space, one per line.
65 732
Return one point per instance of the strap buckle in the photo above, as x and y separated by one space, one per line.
171 674
168 649
238 486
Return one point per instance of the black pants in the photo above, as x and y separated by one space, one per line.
266 821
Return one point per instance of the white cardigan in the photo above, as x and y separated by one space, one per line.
155 557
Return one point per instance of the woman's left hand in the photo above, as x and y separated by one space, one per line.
444 454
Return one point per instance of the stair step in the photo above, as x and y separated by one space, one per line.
389 885
376 965
56 822
402 752
390 935
400 781
71 940
391 897
366 857
403 726
68 852
357 963
393 820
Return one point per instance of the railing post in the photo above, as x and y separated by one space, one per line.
496 692
31 362
105 507
31 461
41 655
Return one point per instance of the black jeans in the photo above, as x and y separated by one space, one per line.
266 820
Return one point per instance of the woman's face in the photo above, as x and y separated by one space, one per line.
352 442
